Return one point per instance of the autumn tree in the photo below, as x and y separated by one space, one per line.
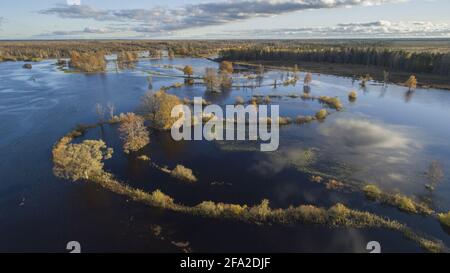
226 67
81 161
308 79
171 54
157 107
88 62
127 59
133 132
364 79
211 80
411 83
188 71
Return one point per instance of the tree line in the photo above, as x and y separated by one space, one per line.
394 59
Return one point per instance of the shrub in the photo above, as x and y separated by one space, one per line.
284 120
208 208
144 158
80 161
308 78
158 107
311 214
352 96
321 114
372 191
316 179
133 132
162 199
411 83
188 71
405 203
304 119
333 184
211 80
364 79
444 219
260 212
226 67
183 173
239 100
332 102
88 62
397 200
127 59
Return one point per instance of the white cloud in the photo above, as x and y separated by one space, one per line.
377 29
205 14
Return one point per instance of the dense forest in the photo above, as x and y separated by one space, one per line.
389 58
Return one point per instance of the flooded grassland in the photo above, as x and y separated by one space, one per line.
351 167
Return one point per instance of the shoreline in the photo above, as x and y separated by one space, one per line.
426 81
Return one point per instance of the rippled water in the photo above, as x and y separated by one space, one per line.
388 136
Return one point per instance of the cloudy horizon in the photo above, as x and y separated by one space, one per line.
232 19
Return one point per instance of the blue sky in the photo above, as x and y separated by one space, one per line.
230 19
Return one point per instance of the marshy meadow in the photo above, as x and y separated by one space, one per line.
88 154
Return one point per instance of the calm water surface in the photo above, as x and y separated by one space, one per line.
388 137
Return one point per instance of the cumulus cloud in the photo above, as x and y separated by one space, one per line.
380 29
205 14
